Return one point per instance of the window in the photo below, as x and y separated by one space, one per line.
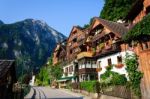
98 64
66 70
145 46
70 51
119 59
75 40
71 69
109 62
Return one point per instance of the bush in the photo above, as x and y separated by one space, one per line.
135 76
89 86
26 90
110 78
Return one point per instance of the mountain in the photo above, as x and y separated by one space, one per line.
1 22
30 42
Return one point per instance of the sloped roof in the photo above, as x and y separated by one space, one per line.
114 27
5 65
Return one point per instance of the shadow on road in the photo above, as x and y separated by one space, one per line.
67 98
34 94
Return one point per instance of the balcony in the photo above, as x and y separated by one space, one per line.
81 42
108 50
87 70
98 36
74 45
84 54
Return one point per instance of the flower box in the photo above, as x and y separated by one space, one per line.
119 65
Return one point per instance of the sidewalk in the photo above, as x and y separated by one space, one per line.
75 94
87 97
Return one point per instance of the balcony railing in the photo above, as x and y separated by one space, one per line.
108 50
98 36
87 70
84 54
74 45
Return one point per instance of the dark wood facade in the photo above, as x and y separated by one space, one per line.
106 37
59 54
75 42
7 79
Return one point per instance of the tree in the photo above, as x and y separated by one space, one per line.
116 9
43 77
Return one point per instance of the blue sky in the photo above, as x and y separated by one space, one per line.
59 14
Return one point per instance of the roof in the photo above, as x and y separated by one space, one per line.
5 65
77 28
117 28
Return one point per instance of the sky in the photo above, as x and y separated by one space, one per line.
61 15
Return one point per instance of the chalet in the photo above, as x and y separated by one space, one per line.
140 9
7 78
59 54
107 45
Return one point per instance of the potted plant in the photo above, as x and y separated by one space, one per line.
101 46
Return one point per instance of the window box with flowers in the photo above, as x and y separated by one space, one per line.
120 65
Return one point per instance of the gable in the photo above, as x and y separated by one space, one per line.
95 23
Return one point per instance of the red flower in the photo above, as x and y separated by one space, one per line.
120 65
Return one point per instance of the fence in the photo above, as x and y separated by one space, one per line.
116 91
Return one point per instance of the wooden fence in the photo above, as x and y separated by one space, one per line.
116 91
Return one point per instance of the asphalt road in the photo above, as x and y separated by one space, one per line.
49 93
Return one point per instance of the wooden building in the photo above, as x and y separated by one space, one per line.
59 54
140 9
7 78
108 46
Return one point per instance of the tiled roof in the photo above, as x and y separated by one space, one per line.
114 27
5 65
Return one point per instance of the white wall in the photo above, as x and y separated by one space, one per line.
104 63
69 73
89 64
32 81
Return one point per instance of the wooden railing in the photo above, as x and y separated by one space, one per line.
84 54
109 50
87 70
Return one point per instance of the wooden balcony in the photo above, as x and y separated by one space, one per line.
74 45
84 54
98 36
87 70
108 50
81 42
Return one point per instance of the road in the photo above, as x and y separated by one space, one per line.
49 93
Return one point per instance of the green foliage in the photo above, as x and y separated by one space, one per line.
43 77
116 9
134 75
89 86
108 68
26 90
55 71
68 86
110 78
140 29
